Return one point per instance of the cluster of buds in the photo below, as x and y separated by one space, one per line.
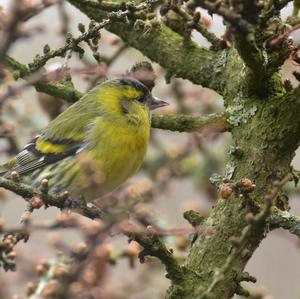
66 219
15 176
66 200
8 242
93 228
30 288
244 186
42 267
8 254
50 274
36 202
143 188
44 186
246 183
131 252
226 190
51 288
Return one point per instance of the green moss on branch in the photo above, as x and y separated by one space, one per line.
167 48
60 89
188 123
285 220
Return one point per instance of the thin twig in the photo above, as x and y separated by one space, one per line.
211 37
285 220
234 19
93 31
9 33
28 192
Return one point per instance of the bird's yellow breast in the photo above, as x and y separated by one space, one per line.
117 154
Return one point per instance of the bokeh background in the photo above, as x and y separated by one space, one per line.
276 263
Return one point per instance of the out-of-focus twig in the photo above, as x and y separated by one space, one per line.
192 22
108 62
296 8
9 31
234 19
20 12
64 17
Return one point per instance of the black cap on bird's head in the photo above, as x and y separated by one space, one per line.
146 97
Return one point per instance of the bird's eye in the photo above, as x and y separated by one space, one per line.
142 99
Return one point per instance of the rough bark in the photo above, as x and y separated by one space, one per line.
166 47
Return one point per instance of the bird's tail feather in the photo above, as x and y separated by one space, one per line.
7 167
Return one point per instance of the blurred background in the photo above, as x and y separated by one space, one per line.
180 163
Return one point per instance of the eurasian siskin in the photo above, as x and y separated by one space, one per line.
94 145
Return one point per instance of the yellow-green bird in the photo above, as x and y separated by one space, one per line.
93 146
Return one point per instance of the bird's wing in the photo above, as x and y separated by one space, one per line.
33 156
63 137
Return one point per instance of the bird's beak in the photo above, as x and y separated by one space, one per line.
155 103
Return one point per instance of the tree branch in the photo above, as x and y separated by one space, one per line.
285 220
192 22
153 246
72 44
233 18
188 123
61 89
165 47
28 192
9 34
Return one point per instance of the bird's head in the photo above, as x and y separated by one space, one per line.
129 97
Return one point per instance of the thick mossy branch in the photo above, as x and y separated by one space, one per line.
167 48
253 25
266 140
285 220
187 123
59 89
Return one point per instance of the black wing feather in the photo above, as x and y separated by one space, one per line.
30 158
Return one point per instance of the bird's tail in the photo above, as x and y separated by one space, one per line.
7 167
